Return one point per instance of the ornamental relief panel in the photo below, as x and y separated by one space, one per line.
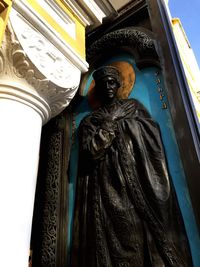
29 59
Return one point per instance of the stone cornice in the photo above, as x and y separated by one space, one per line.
21 7
22 81
90 12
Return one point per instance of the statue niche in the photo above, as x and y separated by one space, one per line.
126 212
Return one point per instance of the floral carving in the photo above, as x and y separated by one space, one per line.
16 64
141 44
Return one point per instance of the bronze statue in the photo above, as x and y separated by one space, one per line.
126 210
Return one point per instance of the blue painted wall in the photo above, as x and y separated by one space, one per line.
149 90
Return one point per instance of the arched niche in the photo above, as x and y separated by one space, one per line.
138 41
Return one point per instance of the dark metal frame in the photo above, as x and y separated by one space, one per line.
55 147
182 111
50 219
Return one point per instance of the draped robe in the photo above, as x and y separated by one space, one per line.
126 211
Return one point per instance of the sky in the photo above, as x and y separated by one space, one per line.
188 11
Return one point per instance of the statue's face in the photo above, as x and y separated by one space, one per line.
108 86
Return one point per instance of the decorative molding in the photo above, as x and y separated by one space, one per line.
93 9
87 9
72 5
49 230
3 6
139 43
51 201
107 7
26 77
45 56
90 12
27 13
61 17
2 62
130 6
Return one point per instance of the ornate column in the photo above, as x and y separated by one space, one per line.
36 83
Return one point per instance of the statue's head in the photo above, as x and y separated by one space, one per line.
107 81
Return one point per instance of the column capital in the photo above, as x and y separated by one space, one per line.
35 72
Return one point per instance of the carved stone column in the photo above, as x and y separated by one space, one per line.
36 83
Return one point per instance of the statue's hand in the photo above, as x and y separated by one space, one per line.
109 125
106 137
100 142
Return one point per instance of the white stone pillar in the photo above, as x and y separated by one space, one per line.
29 96
19 152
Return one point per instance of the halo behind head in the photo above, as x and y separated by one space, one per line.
106 71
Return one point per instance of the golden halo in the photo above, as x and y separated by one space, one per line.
128 79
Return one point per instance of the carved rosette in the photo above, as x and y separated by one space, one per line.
34 72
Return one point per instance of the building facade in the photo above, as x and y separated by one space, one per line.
42 57
49 50
190 65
